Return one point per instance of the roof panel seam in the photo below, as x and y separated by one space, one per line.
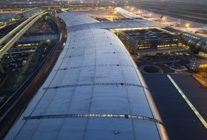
116 116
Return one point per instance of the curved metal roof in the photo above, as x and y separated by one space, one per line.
94 92
79 21
127 14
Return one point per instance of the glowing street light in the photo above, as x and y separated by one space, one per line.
187 25
132 9
139 11
163 19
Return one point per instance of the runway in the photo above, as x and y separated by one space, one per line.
196 12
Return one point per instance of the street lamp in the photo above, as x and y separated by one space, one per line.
115 12
187 25
139 11
163 19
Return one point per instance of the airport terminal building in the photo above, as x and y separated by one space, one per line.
149 41
94 92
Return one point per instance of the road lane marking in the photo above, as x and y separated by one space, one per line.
195 111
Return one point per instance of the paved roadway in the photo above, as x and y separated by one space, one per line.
34 38
195 92
180 121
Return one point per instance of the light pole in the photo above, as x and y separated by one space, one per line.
163 19
187 26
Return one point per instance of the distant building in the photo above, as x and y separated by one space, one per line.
149 41
197 43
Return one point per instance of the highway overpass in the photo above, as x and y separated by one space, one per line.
17 33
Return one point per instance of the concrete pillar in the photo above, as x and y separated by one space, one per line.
1 69
11 56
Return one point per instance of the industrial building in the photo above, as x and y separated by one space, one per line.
150 41
197 43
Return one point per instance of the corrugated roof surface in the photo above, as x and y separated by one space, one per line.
94 92
79 21
126 13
